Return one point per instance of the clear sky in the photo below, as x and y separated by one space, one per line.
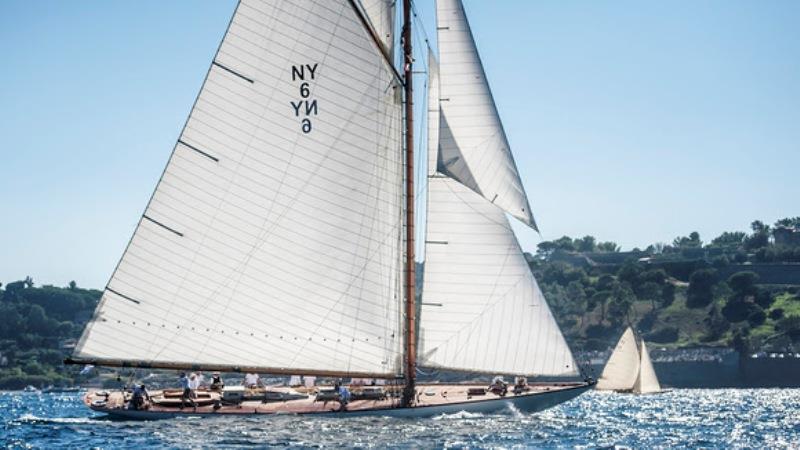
632 121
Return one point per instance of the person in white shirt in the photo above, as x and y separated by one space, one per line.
252 380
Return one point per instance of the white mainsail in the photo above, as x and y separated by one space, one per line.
622 368
473 147
647 381
273 239
482 309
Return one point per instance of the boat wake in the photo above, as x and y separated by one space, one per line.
458 416
30 419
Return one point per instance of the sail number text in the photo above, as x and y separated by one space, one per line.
305 107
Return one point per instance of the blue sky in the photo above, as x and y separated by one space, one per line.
632 121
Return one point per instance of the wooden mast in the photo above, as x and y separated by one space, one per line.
411 277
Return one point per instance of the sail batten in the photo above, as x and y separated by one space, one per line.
273 239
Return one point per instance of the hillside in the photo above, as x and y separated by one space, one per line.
740 290
38 327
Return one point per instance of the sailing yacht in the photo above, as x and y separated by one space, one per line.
629 368
280 238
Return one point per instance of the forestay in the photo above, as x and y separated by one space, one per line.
273 237
473 147
482 309
622 368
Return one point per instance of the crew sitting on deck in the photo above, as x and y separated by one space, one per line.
187 392
140 397
521 385
216 382
252 381
498 386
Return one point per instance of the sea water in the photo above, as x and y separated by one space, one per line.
687 418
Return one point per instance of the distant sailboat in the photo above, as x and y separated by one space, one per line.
280 238
629 368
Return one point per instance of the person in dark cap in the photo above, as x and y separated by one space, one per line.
216 382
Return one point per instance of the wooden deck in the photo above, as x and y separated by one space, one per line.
427 395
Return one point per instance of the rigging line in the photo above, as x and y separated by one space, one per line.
420 24
376 40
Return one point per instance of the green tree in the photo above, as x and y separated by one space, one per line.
716 324
650 291
586 244
619 305
608 247
759 238
728 239
667 294
743 283
701 288
691 241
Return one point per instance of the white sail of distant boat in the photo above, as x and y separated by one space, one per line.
629 368
647 381
278 237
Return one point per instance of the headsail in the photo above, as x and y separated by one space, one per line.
482 309
622 368
473 147
646 382
273 239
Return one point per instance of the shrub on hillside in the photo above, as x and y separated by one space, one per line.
701 288
664 335
756 317
776 314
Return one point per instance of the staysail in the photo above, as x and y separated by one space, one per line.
647 381
622 368
273 239
473 147
482 310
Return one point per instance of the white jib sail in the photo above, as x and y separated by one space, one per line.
273 238
482 309
622 368
647 381
473 147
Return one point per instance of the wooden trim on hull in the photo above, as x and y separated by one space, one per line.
101 362
529 403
